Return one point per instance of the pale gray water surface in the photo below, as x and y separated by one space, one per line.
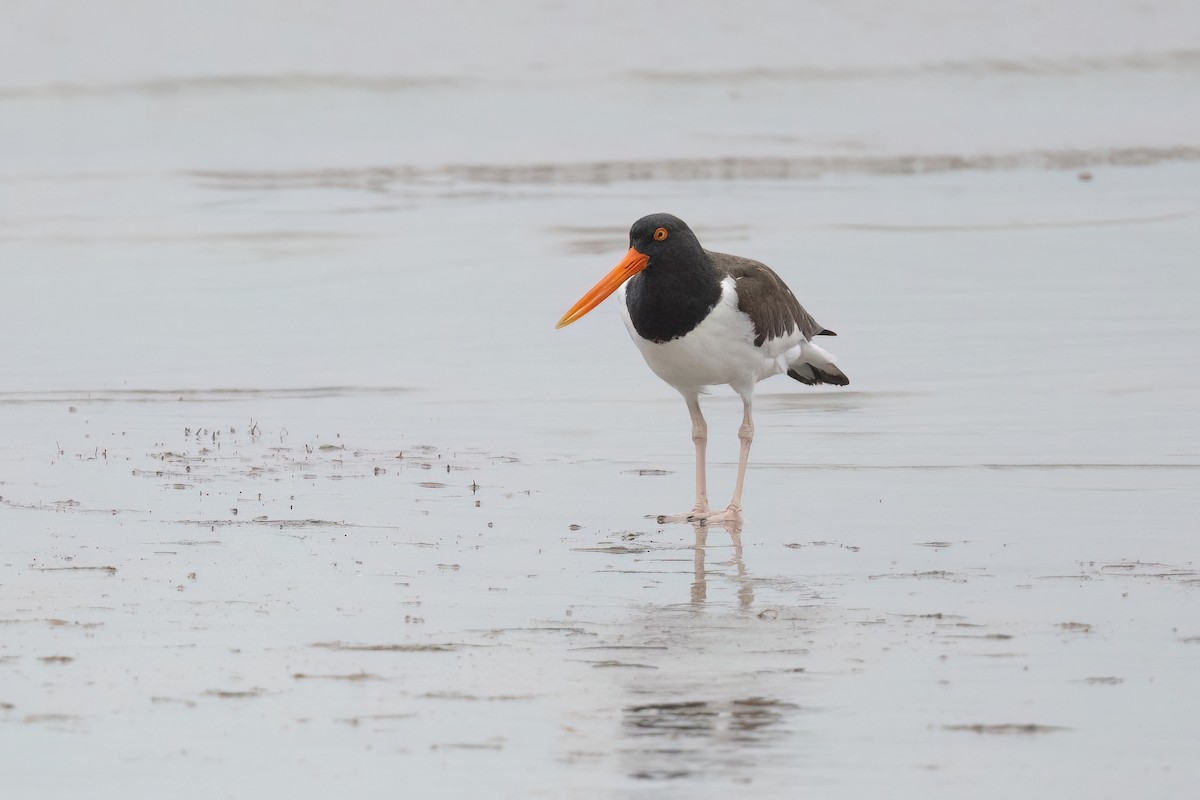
302 495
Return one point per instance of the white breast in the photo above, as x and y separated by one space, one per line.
719 350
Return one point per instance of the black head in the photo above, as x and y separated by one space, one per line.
664 237
664 246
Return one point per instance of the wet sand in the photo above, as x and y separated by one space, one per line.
363 608
300 491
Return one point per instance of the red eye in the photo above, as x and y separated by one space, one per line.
660 234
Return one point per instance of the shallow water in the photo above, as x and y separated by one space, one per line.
300 491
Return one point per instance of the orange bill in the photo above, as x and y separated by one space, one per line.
633 263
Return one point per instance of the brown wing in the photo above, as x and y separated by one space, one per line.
767 300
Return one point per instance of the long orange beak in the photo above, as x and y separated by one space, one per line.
633 263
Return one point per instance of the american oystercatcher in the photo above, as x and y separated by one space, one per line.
706 319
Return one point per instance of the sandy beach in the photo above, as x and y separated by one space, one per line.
301 493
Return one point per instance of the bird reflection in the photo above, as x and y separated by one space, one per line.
745 591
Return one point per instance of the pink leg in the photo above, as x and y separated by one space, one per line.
700 438
746 433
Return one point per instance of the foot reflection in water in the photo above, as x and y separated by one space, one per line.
717 700
745 592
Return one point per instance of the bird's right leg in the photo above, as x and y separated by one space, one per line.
700 438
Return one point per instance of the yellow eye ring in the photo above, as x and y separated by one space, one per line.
660 234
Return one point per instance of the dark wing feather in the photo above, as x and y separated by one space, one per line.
767 300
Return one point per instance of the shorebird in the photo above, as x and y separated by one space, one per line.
706 319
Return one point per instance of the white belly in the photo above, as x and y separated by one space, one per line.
719 350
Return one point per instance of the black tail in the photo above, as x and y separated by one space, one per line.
813 375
